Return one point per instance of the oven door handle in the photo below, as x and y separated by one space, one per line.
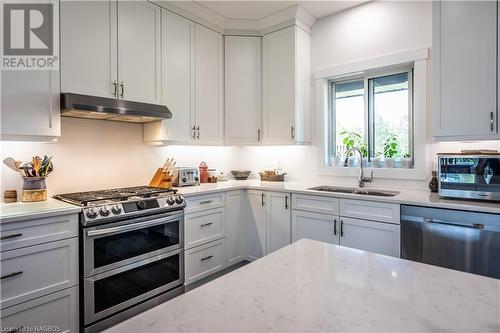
129 227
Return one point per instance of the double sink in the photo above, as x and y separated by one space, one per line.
354 190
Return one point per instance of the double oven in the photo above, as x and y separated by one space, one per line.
129 265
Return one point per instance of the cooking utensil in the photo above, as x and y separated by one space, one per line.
11 163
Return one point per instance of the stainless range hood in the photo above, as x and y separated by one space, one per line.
93 107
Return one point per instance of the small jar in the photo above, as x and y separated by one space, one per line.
34 189
203 172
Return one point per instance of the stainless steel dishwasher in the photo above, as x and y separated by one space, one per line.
461 240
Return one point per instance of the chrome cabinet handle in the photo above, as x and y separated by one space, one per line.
10 275
206 258
341 228
491 121
206 224
286 202
335 227
10 236
206 202
292 132
115 88
122 85
198 135
258 135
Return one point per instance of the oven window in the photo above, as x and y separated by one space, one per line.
118 247
124 286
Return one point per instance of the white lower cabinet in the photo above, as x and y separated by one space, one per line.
383 238
204 227
269 226
377 231
39 274
316 226
57 312
205 260
236 236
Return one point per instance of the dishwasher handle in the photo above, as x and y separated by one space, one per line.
478 226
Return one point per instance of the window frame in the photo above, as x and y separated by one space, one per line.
369 131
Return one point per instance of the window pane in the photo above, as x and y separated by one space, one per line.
349 114
391 114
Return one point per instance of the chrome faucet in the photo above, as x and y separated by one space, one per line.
362 178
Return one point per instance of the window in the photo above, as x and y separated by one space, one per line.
374 114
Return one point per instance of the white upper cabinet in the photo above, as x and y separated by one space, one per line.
208 91
286 86
88 51
242 89
192 84
465 70
112 49
139 51
29 105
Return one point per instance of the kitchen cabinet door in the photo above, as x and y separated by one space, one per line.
177 81
278 220
88 47
315 226
256 228
208 67
242 89
236 249
465 70
286 86
383 238
30 105
139 51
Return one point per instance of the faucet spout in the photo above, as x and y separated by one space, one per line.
362 178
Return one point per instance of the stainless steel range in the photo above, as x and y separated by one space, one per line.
131 251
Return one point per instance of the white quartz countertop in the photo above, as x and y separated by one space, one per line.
408 197
16 211
311 286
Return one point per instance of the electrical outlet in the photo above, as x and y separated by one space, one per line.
279 165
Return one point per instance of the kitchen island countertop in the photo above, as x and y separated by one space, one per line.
317 287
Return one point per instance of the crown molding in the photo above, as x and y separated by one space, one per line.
294 15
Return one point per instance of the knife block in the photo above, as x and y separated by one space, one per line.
161 179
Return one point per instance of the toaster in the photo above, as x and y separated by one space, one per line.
186 176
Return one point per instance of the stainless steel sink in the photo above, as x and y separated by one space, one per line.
354 190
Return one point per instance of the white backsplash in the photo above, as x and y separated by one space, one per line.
94 154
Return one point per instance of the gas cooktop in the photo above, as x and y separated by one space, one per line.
118 203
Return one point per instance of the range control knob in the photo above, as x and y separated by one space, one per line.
141 204
104 211
184 179
196 179
179 199
170 201
116 209
91 213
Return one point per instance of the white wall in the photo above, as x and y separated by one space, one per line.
98 154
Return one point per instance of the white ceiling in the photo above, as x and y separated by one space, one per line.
255 10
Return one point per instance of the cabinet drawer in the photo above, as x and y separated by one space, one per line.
204 260
58 312
204 202
38 270
205 226
37 231
370 210
316 204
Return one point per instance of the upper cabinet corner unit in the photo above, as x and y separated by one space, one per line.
192 83
286 86
465 69
111 49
